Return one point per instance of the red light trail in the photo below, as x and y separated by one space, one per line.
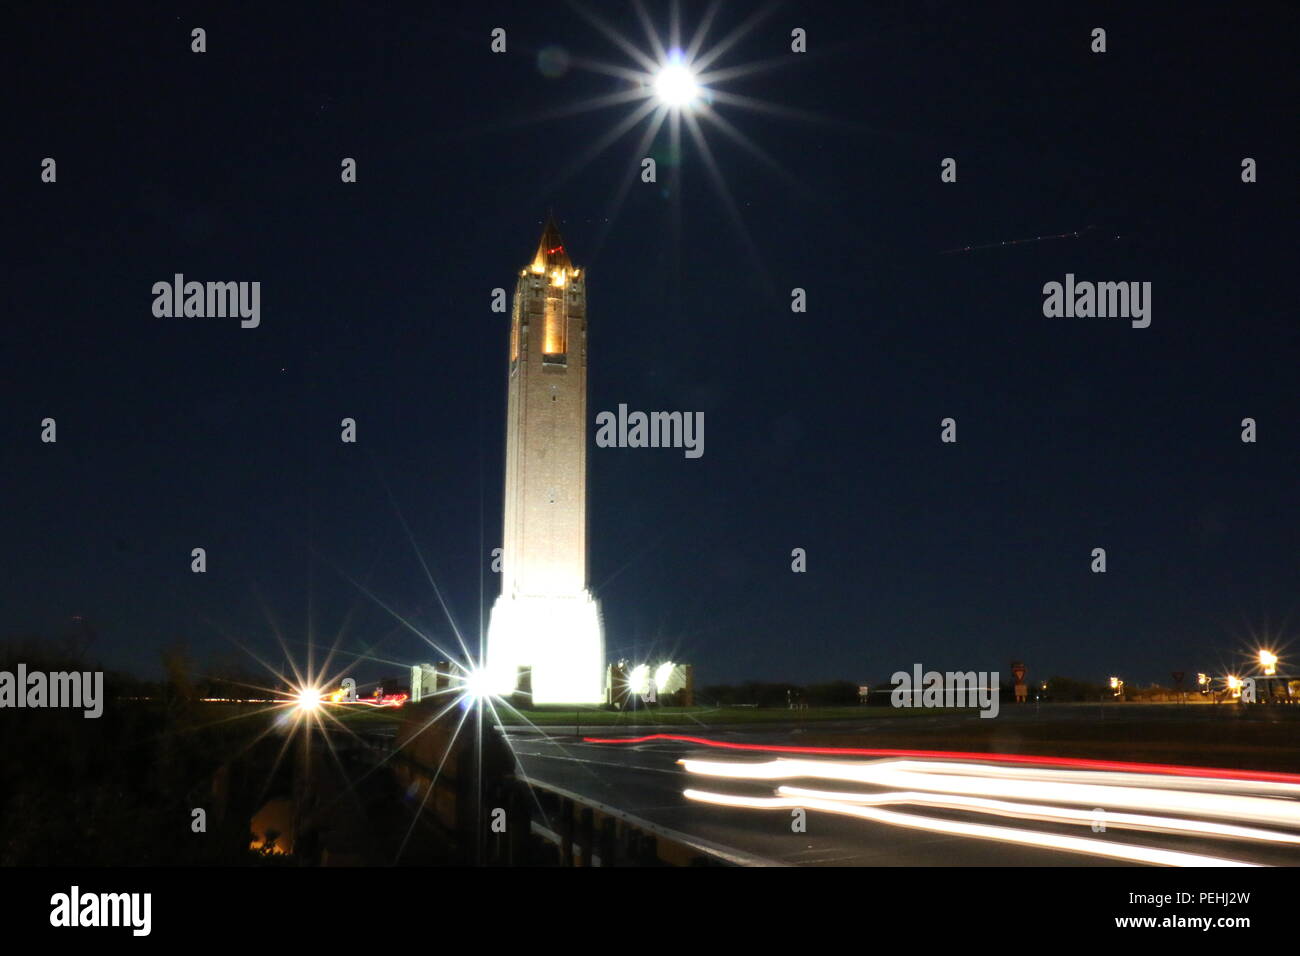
1078 763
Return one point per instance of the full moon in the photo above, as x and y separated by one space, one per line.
675 85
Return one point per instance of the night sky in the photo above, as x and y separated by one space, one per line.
821 429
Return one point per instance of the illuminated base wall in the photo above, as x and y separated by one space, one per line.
560 639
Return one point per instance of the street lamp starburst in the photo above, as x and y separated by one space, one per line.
308 699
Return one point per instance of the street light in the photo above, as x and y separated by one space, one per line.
1268 661
308 699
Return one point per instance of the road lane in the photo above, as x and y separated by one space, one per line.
646 779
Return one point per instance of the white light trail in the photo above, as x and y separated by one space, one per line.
1048 814
955 778
981 831
1108 777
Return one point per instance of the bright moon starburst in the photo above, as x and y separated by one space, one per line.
674 89
675 84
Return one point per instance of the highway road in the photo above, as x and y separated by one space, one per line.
865 810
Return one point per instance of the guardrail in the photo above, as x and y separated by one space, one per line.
590 833
467 790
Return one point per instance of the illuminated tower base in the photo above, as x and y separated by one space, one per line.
558 641
546 622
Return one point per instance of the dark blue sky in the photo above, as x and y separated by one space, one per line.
822 429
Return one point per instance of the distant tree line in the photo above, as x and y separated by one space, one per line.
841 693
844 693
121 788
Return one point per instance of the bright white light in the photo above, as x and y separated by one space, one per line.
664 677
638 679
1049 814
1002 791
983 831
675 85
308 699
1268 661
560 641
1154 793
477 683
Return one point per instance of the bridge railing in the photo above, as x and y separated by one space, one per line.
474 798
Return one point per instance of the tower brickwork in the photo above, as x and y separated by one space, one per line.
546 622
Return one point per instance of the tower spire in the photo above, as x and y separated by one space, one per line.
550 249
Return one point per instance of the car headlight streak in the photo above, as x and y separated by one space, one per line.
1145 802
983 831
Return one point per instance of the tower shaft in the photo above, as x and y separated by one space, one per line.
545 546
546 623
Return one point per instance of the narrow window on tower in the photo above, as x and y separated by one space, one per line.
553 332
514 344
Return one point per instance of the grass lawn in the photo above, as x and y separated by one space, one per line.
686 717
678 717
